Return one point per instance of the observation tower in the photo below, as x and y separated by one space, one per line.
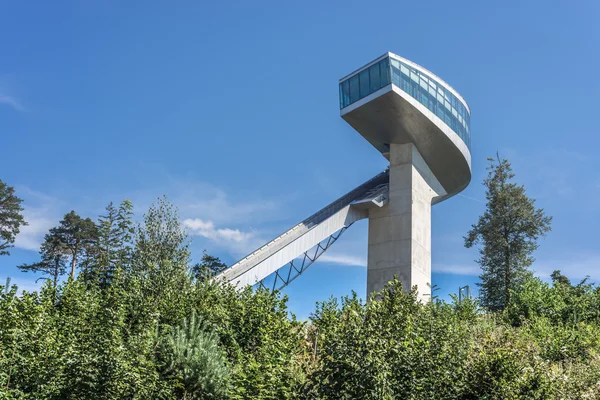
422 126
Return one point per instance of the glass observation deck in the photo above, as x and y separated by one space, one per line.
416 83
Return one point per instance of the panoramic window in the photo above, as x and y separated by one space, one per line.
417 84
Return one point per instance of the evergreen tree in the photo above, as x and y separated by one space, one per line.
508 232
11 217
113 248
53 260
192 356
67 243
559 279
77 235
159 278
208 267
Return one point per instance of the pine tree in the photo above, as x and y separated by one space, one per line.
113 248
508 232
68 242
77 235
53 260
208 267
192 356
11 217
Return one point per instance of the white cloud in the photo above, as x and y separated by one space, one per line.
208 230
576 267
32 235
235 241
11 102
456 269
41 213
344 259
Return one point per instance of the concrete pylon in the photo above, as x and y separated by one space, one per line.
400 232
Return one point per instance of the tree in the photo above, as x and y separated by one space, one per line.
508 232
112 250
160 237
192 356
53 259
11 217
208 267
77 236
67 242
159 278
559 279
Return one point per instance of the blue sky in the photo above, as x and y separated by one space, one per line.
231 110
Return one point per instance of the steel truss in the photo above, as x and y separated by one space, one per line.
286 274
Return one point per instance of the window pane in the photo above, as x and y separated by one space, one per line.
405 83
440 111
414 76
423 97
364 83
346 92
432 103
384 71
374 77
354 94
396 76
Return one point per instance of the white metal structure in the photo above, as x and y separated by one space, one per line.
308 234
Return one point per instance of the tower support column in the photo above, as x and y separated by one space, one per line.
400 231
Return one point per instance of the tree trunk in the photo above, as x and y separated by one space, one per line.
74 263
55 276
507 279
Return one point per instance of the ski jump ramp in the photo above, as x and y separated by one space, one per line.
291 253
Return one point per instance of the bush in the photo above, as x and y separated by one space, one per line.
150 329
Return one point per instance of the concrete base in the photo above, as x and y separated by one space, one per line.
400 231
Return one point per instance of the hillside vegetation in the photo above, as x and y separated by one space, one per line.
139 322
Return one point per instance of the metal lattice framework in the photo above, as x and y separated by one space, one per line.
286 274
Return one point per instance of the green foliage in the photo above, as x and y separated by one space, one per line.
115 331
11 217
53 260
113 249
208 267
265 347
192 355
560 303
139 323
396 347
77 236
508 231
71 241
393 347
